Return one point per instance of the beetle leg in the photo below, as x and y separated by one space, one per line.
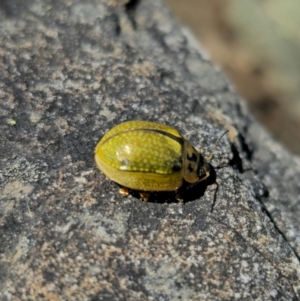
178 197
124 191
145 196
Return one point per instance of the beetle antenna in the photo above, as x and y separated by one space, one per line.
210 156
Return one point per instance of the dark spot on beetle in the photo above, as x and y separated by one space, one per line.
177 165
193 157
190 168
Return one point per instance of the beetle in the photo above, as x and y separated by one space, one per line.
147 156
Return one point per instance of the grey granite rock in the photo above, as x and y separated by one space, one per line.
69 71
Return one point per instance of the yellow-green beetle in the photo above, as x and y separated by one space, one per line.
147 156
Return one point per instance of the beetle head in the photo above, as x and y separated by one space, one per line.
195 167
203 170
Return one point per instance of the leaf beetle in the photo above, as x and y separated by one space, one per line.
148 156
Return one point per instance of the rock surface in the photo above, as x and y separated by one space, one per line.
70 70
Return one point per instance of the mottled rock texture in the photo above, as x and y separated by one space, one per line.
69 71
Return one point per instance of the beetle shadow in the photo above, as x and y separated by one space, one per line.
186 193
191 192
